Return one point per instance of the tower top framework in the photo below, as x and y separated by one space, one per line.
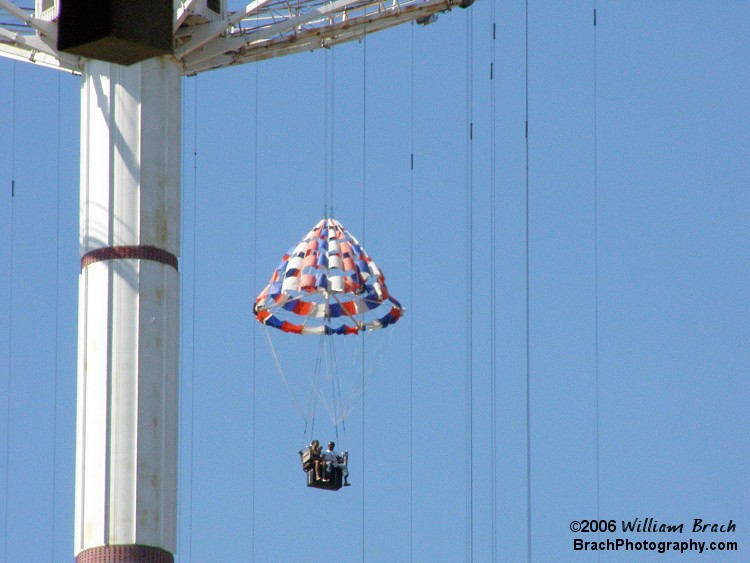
209 34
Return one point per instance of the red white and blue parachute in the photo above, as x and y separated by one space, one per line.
327 284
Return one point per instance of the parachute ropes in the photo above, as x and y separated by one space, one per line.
326 285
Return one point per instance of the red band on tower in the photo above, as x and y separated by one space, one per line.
124 554
139 252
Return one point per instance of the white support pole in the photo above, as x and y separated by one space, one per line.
126 448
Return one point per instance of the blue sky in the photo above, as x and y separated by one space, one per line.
672 176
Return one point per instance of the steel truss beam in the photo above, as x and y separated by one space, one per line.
327 27
264 29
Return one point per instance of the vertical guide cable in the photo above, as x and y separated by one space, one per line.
364 223
57 322
10 306
325 132
329 126
469 287
255 276
596 272
528 316
183 353
192 323
322 349
493 291
411 302
331 179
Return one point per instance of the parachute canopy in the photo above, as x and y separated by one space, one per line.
327 284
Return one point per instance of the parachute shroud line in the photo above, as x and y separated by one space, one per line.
326 285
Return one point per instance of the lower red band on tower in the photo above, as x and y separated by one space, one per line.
124 554
139 252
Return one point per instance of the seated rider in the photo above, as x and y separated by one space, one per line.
316 457
332 459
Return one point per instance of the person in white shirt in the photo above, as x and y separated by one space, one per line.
332 459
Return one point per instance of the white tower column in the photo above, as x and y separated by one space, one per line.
126 450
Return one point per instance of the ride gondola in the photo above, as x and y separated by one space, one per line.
314 464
